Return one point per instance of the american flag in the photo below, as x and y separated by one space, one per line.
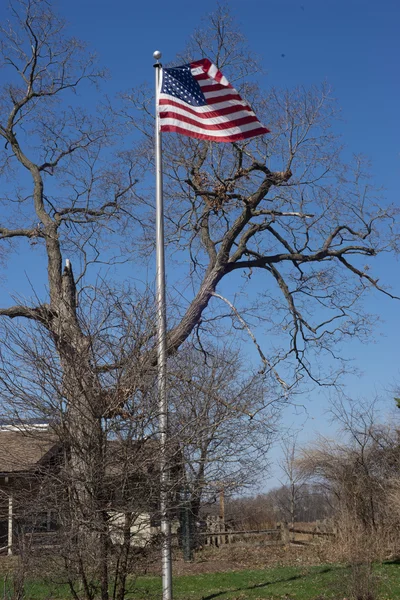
198 101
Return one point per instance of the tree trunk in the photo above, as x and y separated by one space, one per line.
85 439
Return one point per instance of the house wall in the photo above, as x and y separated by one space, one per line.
141 530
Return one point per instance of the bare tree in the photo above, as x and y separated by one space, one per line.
223 418
45 141
282 210
264 510
124 495
314 504
293 479
361 473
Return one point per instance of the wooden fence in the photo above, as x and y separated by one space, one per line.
218 533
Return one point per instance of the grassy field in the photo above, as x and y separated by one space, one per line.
306 583
279 583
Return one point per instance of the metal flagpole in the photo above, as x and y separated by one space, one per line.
162 353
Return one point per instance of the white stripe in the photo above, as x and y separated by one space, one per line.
209 81
240 114
212 71
217 93
205 108
214 133
203 82
197 71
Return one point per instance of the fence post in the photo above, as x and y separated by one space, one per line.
221 529
187 529
285 533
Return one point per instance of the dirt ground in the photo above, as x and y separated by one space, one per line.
238 556
230 557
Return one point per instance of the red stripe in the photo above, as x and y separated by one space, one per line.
218 76
220 112
230 138
213 87
217 127
204 63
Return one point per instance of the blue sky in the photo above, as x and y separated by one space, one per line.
353 45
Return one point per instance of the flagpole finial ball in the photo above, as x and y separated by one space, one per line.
157 55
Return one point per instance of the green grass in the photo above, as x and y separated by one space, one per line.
300 584
305 583
280 583
38 590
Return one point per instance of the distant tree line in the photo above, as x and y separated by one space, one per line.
265 510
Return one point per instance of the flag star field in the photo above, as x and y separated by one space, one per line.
180 83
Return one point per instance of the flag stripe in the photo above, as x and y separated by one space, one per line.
221 96
207 136
230 107
214 124
212 87
198 101
210 117
213 133
200 76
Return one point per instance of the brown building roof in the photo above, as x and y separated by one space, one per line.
22 451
